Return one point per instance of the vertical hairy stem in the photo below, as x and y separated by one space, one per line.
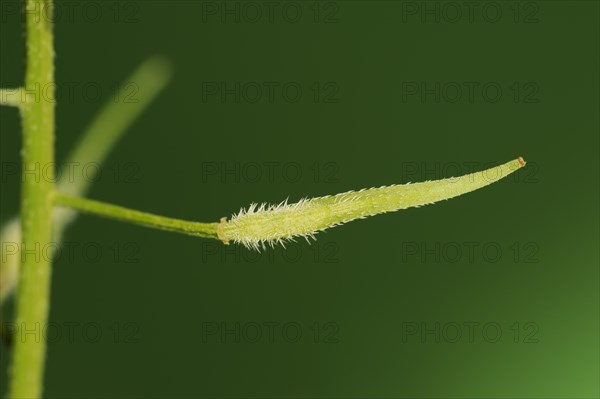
36 202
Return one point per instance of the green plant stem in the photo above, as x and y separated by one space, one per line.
93 147
147 81
36 205
107 128
141 218
11 97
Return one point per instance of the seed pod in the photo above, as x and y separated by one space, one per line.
262 225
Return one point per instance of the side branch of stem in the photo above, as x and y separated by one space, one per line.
11 97
120 213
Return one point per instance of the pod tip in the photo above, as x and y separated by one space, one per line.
521 161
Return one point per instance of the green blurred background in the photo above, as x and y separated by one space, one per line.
494 294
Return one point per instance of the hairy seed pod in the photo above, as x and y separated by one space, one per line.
262 225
